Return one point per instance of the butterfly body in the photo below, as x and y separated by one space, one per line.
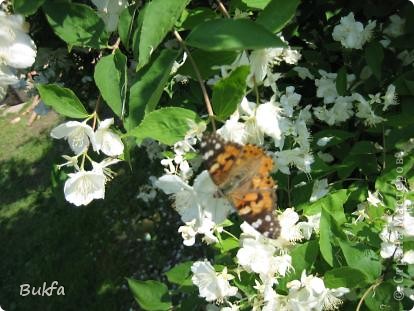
241 172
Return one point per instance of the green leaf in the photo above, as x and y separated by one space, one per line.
374 55
341 81
167 125
76 24
226 245
159 19
277 14
232 34
363 147
111 78
383 295
256 4
401 83
125 24
180 274
150 295
26 7
303 258
344 277
63 100
146 90
191 18
229 92
205 61
362 258
332 203
325 237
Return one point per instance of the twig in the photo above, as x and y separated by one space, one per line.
371 288
199 78
116 45
223 9
95 113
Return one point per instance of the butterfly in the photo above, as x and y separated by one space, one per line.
242 174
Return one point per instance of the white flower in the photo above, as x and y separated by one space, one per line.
84 186
352 34
303 73
256 256
374 200
267 120
323 141
78 135
289 101
390 97
107 141
212 286
290 231
361 212
365 111
408 257
319 190
198 204
188 233
326 87
233 130
311 225
396 26
17 49
109 10
310 293
300 158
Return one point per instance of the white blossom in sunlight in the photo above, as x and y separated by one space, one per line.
198 205
109 11
397 225
361 212
396 26
351 33
374 200
298 157
289 101
107 141
82 187
408 257
261 255
233 130
188 233
326 87
341 111
365 111
319 190
310 293
323 141
390 98
310 226
304 73
290 232
78 134
17 49
212 285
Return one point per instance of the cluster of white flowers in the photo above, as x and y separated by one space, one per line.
372 200
398 226
177 164
341 108
109 11
17 49
84 186
353 34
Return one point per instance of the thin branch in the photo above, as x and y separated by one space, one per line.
95 113
223 9
371 288
199 78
